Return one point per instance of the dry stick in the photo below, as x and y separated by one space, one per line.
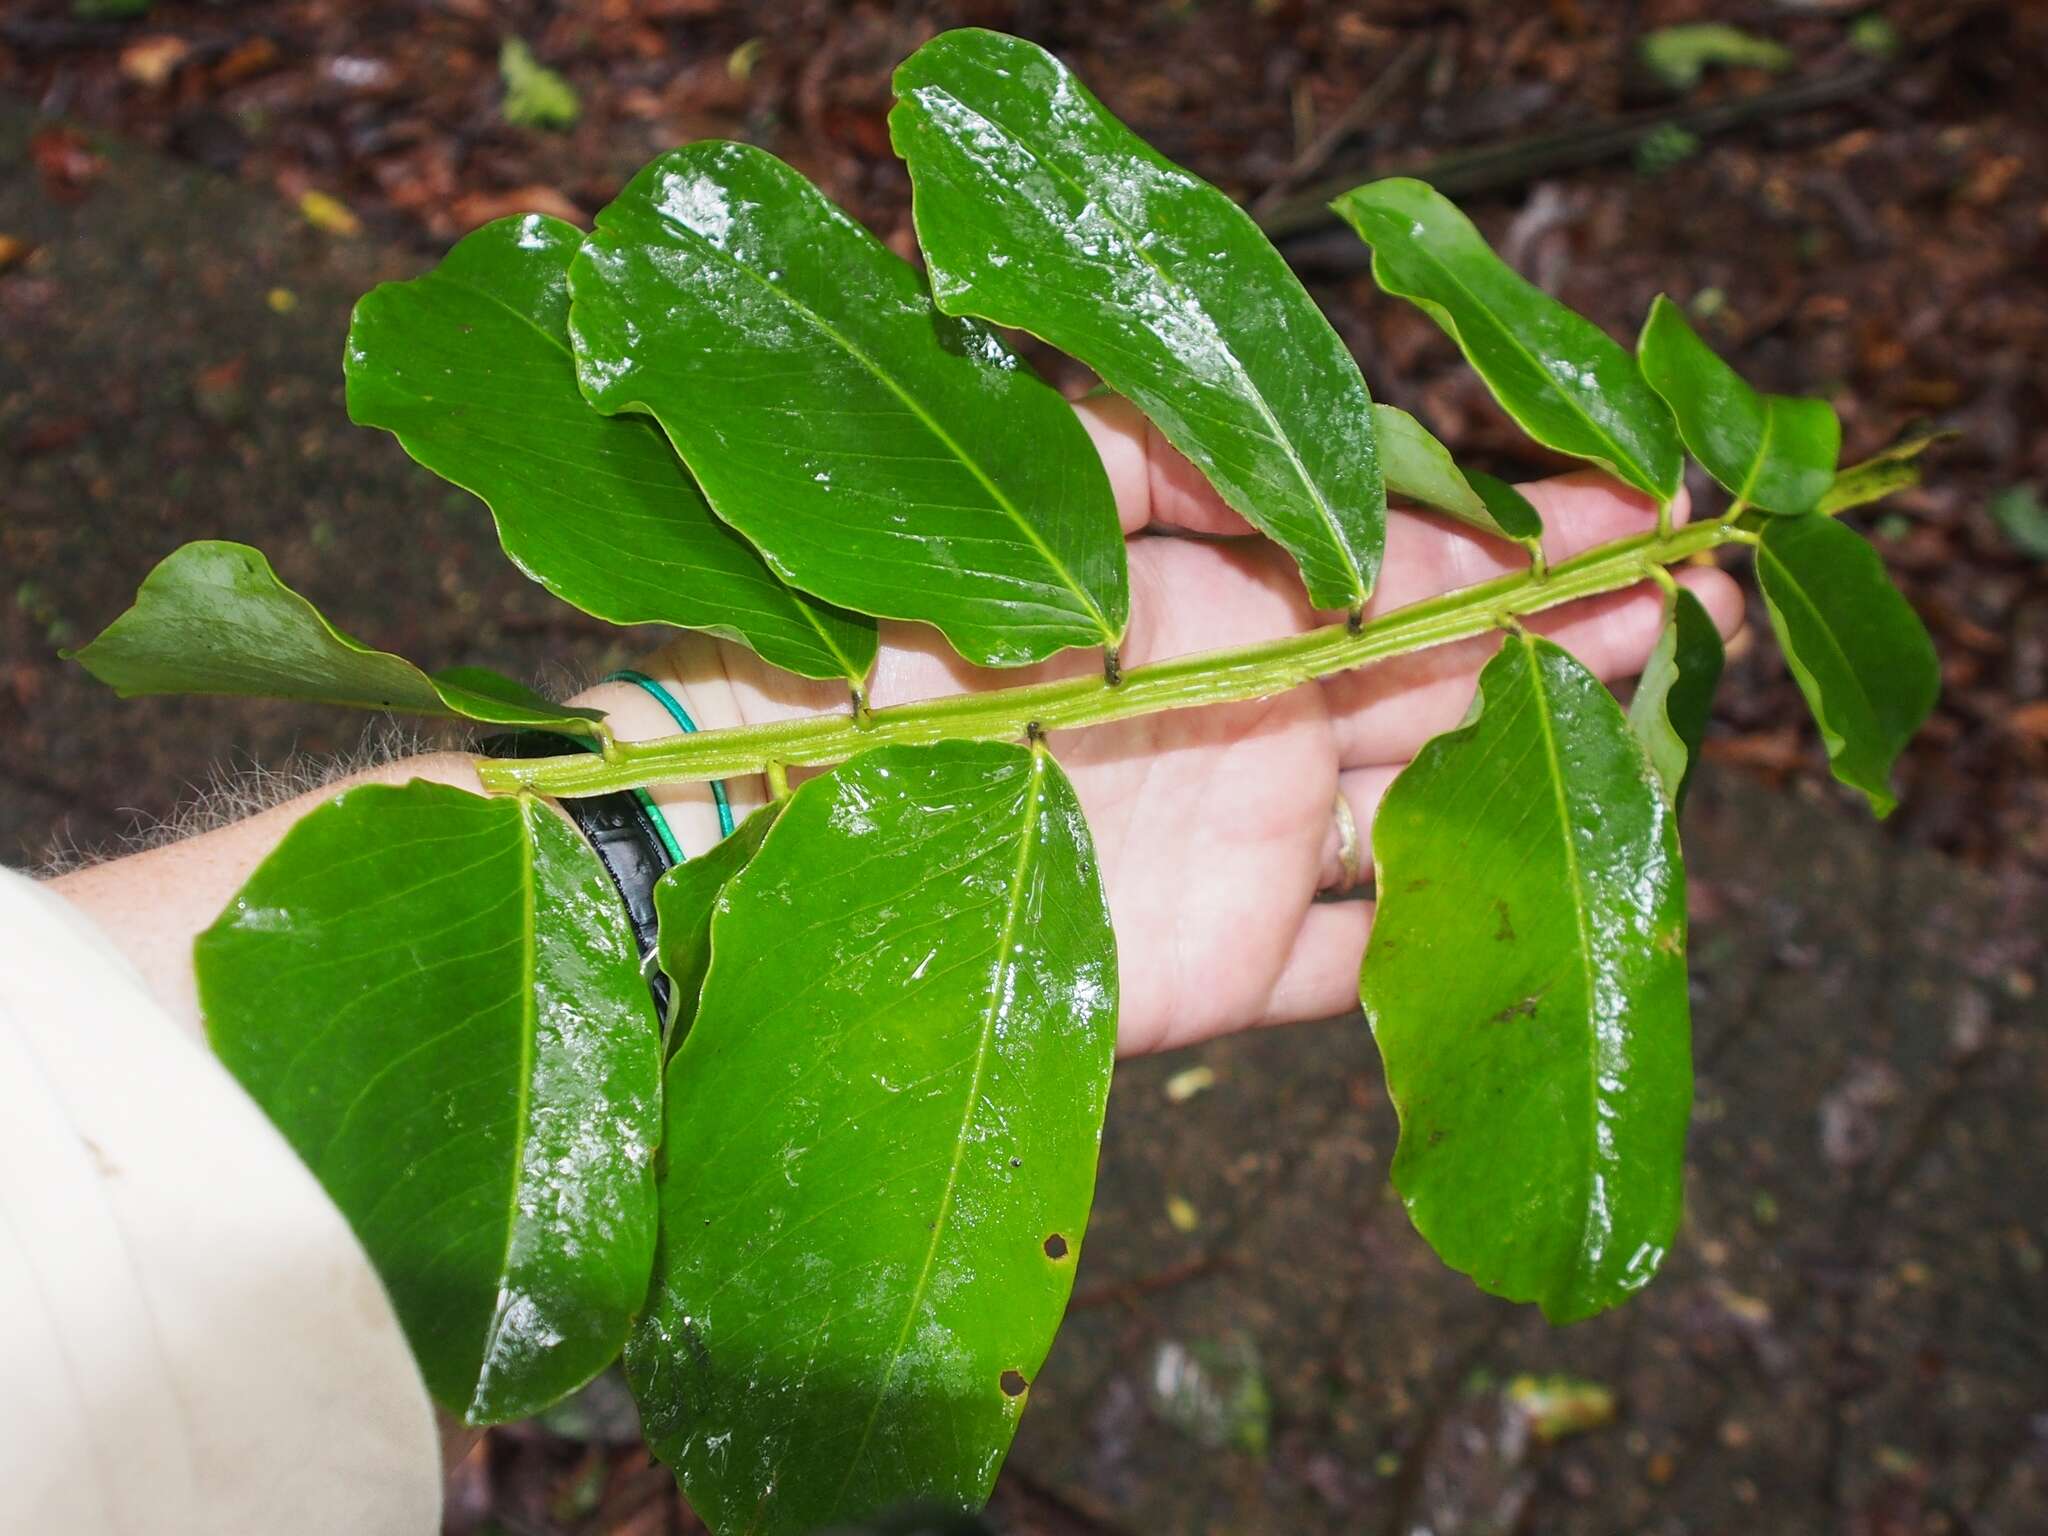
1369 101
1492 166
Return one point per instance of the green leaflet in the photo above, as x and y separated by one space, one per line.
1419 467
469 366
881 455
1526 984
1508 512
1038 209
1878 476
1859 652
881 1142
685 899
214 618
1562 378
1675 696
435 997
1771 451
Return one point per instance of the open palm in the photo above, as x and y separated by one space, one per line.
1215 826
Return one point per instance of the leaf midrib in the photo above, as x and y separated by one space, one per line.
1360 586
1622 454
803 608
1796 589
1026 848
930 422
1763 449
522 1112
1575 879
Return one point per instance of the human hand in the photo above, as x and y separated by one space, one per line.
1215 827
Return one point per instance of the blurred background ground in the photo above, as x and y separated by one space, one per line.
1850 1336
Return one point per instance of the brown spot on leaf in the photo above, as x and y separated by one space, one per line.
1014 1384
1505 933
1056 1247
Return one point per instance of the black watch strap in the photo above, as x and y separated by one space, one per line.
620 829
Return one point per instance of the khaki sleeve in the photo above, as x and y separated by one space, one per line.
191 1340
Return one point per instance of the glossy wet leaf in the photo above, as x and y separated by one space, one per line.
684 900
435 997
1674 698
882 456
1859 652
1565 381
1037 209
1420 468
469 366
1776 452
881 1142
1897 468
1526 984
213 617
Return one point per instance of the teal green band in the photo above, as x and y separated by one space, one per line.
688 727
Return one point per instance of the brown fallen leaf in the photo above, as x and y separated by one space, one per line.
245 61
1773 751
479 208
151 61
66 162
2030 721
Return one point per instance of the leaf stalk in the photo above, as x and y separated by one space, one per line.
1182 682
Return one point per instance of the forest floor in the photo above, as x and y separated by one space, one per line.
1849 1336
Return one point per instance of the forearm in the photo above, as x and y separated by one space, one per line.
152 905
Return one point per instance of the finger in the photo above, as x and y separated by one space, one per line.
1382 714
1362 790
1320 978
1427 555
1155 486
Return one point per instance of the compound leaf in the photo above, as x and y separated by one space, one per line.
435 997
1526 983
470 368
685 899
1565 381
881 455
1675 696
213 617
1859 652
1038 209
1776 452
881 1142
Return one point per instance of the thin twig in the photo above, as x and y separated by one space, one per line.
1363 108
1512 162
